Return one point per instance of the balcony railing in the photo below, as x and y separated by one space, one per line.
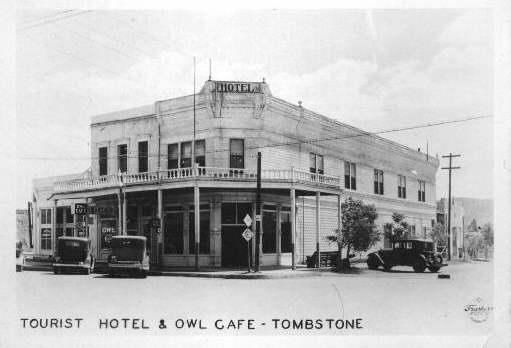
204 173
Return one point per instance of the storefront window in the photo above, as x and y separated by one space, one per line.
69 216
132 220
286 240
269 232
173 237
234 213
45 238
60 215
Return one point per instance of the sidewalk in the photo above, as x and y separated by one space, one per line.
231 273
242 273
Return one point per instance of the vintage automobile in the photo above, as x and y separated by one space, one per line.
19 256
129 256
418 253
73 255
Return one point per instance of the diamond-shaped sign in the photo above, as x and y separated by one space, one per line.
247 220
247 234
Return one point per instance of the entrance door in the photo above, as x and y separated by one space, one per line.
234 246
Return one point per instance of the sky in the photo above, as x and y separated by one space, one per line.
373 69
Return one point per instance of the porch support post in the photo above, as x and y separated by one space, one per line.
54 227
124 213
160 217
339 220
318 225
196 209
119 212
293 228
75 228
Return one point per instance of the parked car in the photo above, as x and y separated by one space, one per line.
73 255
129 256
19 256
417 253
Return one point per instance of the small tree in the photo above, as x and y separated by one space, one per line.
358 232
487 232
438 234
400 226
472 227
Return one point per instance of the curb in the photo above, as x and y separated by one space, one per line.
235 276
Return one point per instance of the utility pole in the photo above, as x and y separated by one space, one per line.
195 170
450 168
258 214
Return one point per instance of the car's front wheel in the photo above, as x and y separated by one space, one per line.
372 262
433 269
419 266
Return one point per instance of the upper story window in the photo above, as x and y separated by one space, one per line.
143 155
200 153
316 163
186 154
350 175
378 181
122 158
237 153
183 159
422 191
173 156
401 186
45 216
103 161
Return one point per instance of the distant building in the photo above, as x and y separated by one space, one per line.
22 227
457 223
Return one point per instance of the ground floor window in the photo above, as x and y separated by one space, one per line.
204 231
234 213
286 241
45 238
269 231
173 235
60 232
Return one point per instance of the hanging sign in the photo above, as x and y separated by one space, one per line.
247 220
247 234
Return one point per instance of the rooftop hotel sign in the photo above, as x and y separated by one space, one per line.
238 87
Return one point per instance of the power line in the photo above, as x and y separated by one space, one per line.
55 18
272 145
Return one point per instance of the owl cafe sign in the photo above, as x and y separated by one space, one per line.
237 87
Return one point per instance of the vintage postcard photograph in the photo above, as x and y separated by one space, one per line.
255 172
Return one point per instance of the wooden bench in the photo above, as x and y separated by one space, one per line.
328 259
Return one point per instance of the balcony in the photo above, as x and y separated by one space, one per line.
212 174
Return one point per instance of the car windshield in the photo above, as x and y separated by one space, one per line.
128 249
424 246
73 250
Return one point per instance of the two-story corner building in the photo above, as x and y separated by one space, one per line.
142 180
